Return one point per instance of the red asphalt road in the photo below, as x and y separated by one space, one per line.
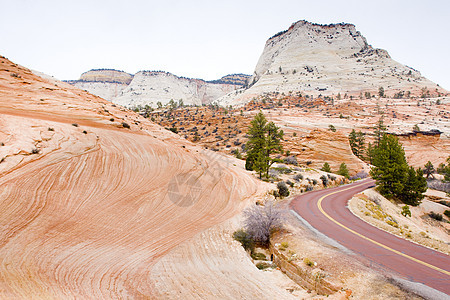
335 206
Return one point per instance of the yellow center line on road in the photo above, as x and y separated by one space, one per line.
319 205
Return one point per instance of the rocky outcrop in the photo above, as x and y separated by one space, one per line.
327 59
151 87
106 75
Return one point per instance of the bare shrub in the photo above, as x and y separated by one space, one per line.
291 160
261 221
360 175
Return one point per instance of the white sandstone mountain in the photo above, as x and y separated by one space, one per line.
151 87
327 59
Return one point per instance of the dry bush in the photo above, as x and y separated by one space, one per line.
261 221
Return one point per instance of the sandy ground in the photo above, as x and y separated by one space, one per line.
419 228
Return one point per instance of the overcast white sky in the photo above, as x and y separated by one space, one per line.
208 39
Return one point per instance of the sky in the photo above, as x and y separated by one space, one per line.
208 39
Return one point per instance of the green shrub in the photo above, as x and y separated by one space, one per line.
125 125
405 211
245 239
308 262
324 180
326 167
258 256
447 213
283 190
263 265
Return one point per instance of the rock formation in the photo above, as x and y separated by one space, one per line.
89 205
151 87
325 60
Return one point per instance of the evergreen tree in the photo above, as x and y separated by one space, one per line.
273 144
356 140
370 152
343 170
395 179
264 140
390 167
326 167
446 170
256 143
379 131
414 187
429 169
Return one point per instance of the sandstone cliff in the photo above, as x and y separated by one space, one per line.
326 60
150 87
89 206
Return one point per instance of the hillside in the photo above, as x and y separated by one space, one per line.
326 60
93 196
151 87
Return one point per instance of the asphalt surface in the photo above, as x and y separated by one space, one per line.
326 210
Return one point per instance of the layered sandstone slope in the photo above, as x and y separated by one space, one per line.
327 59
89 205
151 87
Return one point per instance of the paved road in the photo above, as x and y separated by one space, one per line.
326 211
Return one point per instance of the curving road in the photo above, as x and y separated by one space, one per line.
326 210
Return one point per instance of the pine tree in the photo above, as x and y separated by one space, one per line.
370 152
429 169
390 167
273 144
414 187
326 167
395 179
256 144
343 171
379 131
356 140
264 140
352 141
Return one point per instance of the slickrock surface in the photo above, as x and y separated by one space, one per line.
89 206
327 59
150 87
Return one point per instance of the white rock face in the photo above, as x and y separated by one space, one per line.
151 87
326 59
148 87
106 90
